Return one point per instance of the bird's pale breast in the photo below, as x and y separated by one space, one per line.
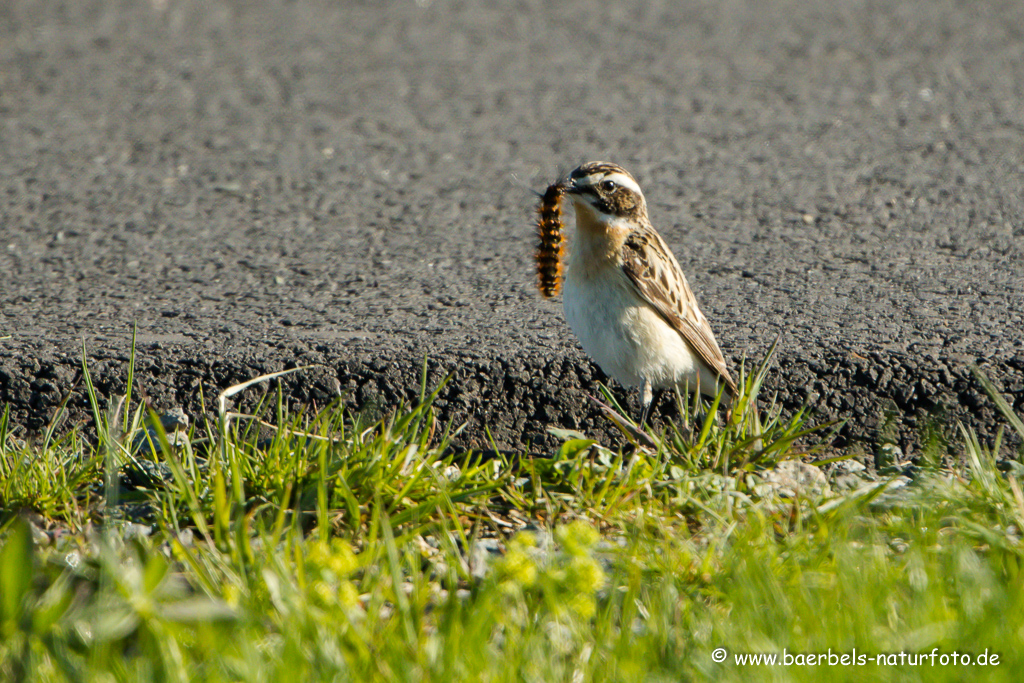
625 336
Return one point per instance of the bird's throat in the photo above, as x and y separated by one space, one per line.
598 240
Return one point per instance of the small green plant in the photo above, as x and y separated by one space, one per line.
326 547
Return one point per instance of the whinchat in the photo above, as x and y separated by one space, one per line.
624 294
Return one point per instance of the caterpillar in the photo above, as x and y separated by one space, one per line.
551 241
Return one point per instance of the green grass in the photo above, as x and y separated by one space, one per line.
332 548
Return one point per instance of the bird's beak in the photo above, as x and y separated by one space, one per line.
571 187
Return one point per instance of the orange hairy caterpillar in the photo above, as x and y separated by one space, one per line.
551 244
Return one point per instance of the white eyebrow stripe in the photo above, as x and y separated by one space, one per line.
618 178
625 181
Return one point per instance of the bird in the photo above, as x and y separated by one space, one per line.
626 298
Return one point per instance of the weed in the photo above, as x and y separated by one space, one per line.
320 547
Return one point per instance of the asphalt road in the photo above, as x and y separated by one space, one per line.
259 185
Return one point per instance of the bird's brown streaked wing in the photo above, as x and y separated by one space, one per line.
656 277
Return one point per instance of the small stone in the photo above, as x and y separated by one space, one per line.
888 455
146 474
175 424
848 475
484 552
39 536
137 531
793 478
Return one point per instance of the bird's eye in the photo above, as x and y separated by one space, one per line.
608 185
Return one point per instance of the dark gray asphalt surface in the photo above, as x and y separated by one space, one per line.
265 184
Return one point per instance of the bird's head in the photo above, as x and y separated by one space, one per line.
605 193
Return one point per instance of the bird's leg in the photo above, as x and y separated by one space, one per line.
646 397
